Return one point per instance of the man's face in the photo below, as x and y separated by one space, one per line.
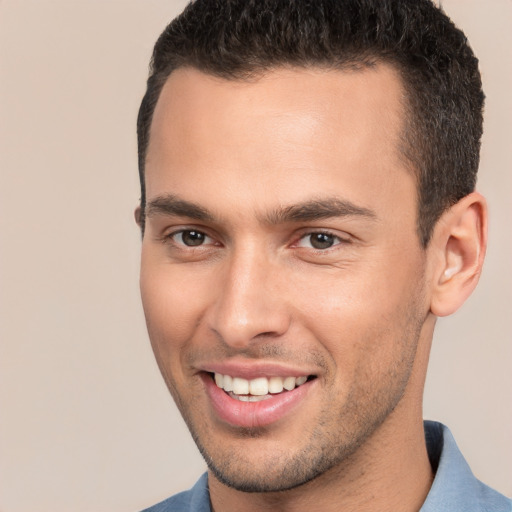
280 246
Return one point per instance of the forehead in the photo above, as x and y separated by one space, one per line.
290 132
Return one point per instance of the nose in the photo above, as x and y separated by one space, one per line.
250 303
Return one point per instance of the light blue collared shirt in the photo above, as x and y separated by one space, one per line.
455 488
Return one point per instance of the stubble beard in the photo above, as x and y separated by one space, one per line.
282 472
323 450
331 445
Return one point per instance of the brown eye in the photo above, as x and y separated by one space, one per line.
190 237
321 240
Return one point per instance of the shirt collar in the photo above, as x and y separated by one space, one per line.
455 488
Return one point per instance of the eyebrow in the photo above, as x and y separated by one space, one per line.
307 211
317 210
174 206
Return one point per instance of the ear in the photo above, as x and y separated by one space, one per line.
459 242
138 216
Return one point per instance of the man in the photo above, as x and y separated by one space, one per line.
308 211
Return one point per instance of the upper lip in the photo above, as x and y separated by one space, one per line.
254 369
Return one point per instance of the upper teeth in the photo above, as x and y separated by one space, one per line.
259 386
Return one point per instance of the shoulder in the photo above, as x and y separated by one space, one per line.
455 488
196 499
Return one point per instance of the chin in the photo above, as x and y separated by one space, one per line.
259 469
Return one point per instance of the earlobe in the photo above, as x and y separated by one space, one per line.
460 240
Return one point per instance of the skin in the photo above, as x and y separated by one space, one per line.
231 160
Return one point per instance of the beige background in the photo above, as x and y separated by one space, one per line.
86 423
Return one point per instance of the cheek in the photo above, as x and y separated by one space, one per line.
358 314
172 307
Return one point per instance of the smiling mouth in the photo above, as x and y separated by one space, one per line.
261 388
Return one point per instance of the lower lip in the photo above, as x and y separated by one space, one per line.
253 414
